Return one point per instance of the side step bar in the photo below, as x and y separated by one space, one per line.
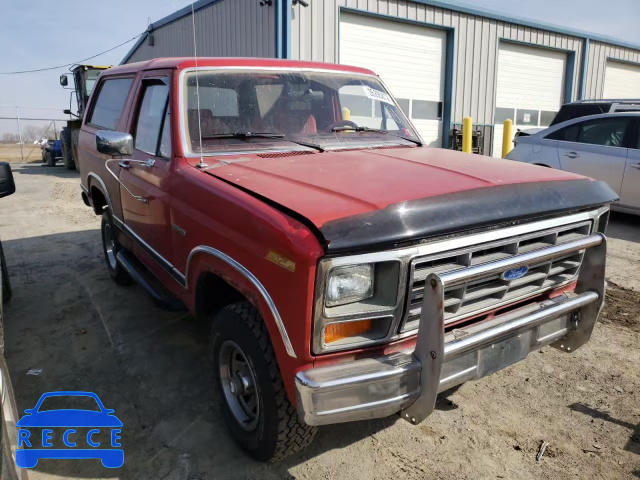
146 280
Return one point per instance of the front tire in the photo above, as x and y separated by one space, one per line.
110 248
247 380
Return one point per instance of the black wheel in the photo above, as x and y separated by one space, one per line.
249 387
6 284
50 158
67 149
110 248
75 135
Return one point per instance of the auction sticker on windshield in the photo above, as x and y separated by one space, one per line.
69 425
374 94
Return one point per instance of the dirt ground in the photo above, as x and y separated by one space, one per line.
84 332
10 152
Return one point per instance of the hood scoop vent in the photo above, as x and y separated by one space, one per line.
378 147
285 154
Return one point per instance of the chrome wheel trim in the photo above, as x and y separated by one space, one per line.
109 246
238 381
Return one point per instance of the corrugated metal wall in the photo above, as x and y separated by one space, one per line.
597 64
228 28
244 28
315 34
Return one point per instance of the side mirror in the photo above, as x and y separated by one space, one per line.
29 411
7 185
64 81
116 144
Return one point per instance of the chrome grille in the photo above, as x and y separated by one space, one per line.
480 295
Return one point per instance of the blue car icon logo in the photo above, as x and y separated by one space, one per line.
69 433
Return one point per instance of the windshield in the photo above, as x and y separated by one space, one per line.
91 76
266 110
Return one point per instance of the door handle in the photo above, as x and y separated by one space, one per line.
125 164
571 155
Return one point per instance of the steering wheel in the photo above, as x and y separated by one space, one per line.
343 123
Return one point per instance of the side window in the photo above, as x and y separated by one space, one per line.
164 150
110 102
566 134
150 135
608 132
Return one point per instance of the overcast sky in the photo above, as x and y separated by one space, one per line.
48 33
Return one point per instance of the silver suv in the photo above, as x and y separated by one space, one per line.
605 147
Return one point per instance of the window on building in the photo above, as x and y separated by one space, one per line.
110 102
504 113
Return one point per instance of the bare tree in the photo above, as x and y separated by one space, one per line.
9 137
31 133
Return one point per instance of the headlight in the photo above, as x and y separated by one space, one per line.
349 284
357 303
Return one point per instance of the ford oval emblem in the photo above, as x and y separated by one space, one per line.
515 273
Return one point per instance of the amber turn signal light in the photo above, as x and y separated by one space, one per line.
339 331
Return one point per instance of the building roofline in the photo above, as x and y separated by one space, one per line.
482 12
447 5
177 15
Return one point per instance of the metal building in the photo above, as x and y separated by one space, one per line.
442 61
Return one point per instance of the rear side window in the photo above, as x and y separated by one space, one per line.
152 127
609 132
567 134
110 102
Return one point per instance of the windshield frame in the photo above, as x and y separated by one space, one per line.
182 119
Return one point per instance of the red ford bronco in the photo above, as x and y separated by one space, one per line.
348 271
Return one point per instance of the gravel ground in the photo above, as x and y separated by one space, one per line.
86 333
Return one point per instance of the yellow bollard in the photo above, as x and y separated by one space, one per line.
346 113
507 137
466 134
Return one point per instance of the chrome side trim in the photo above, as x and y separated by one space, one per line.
163 262
256 283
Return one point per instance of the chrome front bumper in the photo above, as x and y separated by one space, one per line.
409 381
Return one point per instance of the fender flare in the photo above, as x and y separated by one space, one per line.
103 188
251 279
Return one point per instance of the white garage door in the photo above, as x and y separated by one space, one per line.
530 88
408 58
621 80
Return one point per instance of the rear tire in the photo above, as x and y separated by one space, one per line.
67 149
249 387
50 158
110 248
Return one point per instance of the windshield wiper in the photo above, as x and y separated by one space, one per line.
246 135
348 128
264 135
